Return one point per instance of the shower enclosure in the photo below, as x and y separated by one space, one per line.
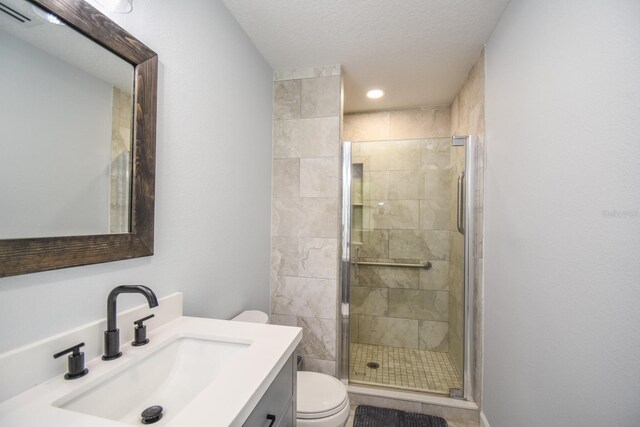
407 264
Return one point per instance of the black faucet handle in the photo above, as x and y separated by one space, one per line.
75 362
140 332
139 322
75 349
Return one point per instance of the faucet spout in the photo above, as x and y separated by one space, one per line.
126 289
112 334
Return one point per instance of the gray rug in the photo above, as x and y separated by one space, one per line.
372 416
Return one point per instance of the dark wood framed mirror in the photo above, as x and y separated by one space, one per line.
33 254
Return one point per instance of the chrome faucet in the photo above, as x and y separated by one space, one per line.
112 334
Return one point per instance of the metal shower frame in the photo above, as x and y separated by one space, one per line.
468 182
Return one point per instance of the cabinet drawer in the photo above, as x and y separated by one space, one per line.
275 399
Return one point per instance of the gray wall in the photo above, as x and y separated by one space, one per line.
73 112
212 188
563 215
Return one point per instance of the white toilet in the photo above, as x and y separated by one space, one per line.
322 400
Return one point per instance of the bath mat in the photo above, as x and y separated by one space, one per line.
372 416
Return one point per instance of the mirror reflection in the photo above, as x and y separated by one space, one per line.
65 129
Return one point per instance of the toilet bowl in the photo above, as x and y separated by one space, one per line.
321 399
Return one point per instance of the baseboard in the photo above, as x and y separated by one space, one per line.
483 420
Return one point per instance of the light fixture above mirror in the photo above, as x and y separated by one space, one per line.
49 17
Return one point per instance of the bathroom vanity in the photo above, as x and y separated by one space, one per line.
201 371
278 399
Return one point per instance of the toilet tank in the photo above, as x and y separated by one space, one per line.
252 316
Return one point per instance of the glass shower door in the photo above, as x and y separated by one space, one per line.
406 299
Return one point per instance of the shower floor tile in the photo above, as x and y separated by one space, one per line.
405 368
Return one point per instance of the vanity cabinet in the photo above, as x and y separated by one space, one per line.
278 401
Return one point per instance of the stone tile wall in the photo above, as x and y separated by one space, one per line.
121 122
403 204
305 209
415 123
467 118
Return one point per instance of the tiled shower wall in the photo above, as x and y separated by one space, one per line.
305 209
122 120
404 219
467 118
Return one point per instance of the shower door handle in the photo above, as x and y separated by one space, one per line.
357 262
460 212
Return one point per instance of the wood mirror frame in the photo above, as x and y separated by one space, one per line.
21 256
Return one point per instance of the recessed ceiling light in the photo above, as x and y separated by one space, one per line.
375 93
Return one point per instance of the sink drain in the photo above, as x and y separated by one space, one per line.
373 365
152 414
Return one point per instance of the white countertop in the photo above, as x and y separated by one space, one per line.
226 401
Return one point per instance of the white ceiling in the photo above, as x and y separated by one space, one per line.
417 51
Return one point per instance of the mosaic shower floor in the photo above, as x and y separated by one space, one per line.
405 368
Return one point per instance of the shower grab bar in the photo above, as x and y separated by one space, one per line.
426 265
460 214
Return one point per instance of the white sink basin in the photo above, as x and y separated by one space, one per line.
170 377
201 371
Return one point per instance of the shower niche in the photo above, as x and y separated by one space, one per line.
357 205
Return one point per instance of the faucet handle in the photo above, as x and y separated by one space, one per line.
138 322
75 362
140 332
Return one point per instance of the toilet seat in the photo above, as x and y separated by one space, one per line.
319 396
318 415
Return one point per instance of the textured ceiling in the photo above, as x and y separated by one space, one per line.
417 51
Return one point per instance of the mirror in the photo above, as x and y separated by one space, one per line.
77 138
69 115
